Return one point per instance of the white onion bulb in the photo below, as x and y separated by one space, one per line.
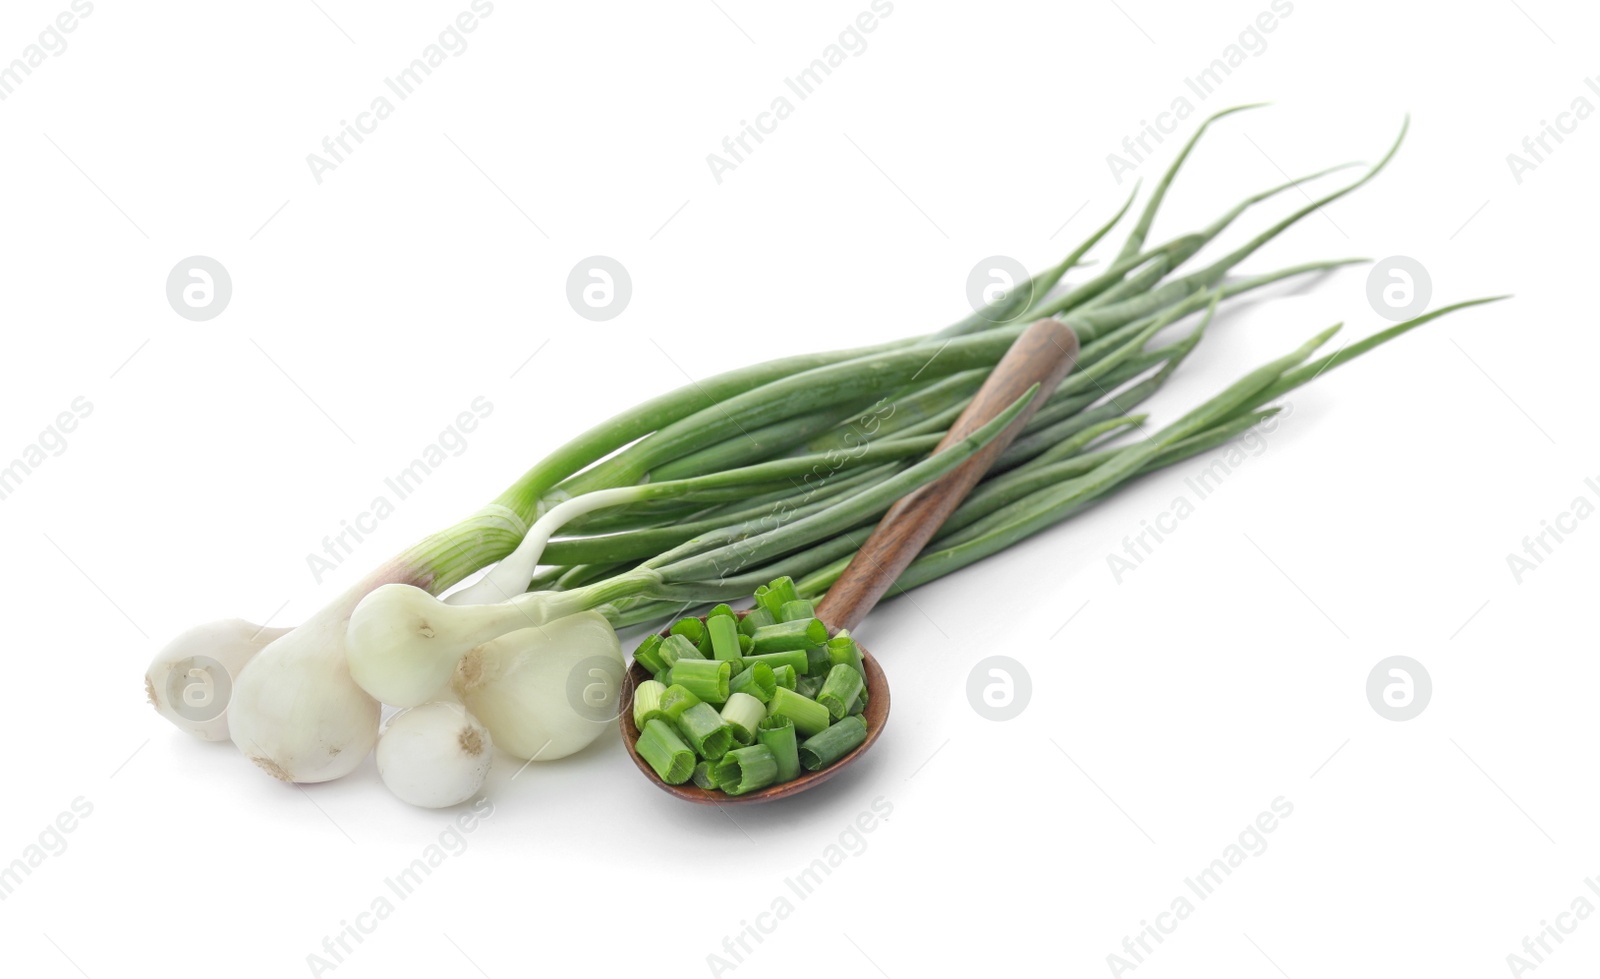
548 691
190 682
434 755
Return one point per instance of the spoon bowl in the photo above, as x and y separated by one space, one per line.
876 714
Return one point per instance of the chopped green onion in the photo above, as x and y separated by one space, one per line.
860 706
777 733
666 752
702 775
784 675
675 700
809 716
782 636
648 655
797 609
705 678
843 649
676 647
818 662
758 680
746 645
791 657
703 728
840 689
823 749
746 769
723 609
689 628
755 619
647 703
742 713
724 634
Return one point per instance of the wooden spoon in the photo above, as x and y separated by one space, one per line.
1042 355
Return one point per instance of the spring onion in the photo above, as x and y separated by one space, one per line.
745 770
777 733
809 716
742 713
758 680
832 743
659 745
705 678
703 728
671 505
840 689
676 699
647 702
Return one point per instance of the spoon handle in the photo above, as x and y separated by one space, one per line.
1042 355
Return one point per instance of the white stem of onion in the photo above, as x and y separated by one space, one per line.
511 576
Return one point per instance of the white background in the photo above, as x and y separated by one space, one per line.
1227 671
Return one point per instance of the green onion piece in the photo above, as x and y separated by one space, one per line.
702 727
769 601
758 680
742 713
746 769
674 648
746 645
798 609
689 628
647 703
843 649
666 752
675 700
783 589
777 733
702 776
723 609
860 706
724 634
822 750
784 675
795 658
807 686
647 654
840 689
705 678
755 619
809 716
817 661
800 634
